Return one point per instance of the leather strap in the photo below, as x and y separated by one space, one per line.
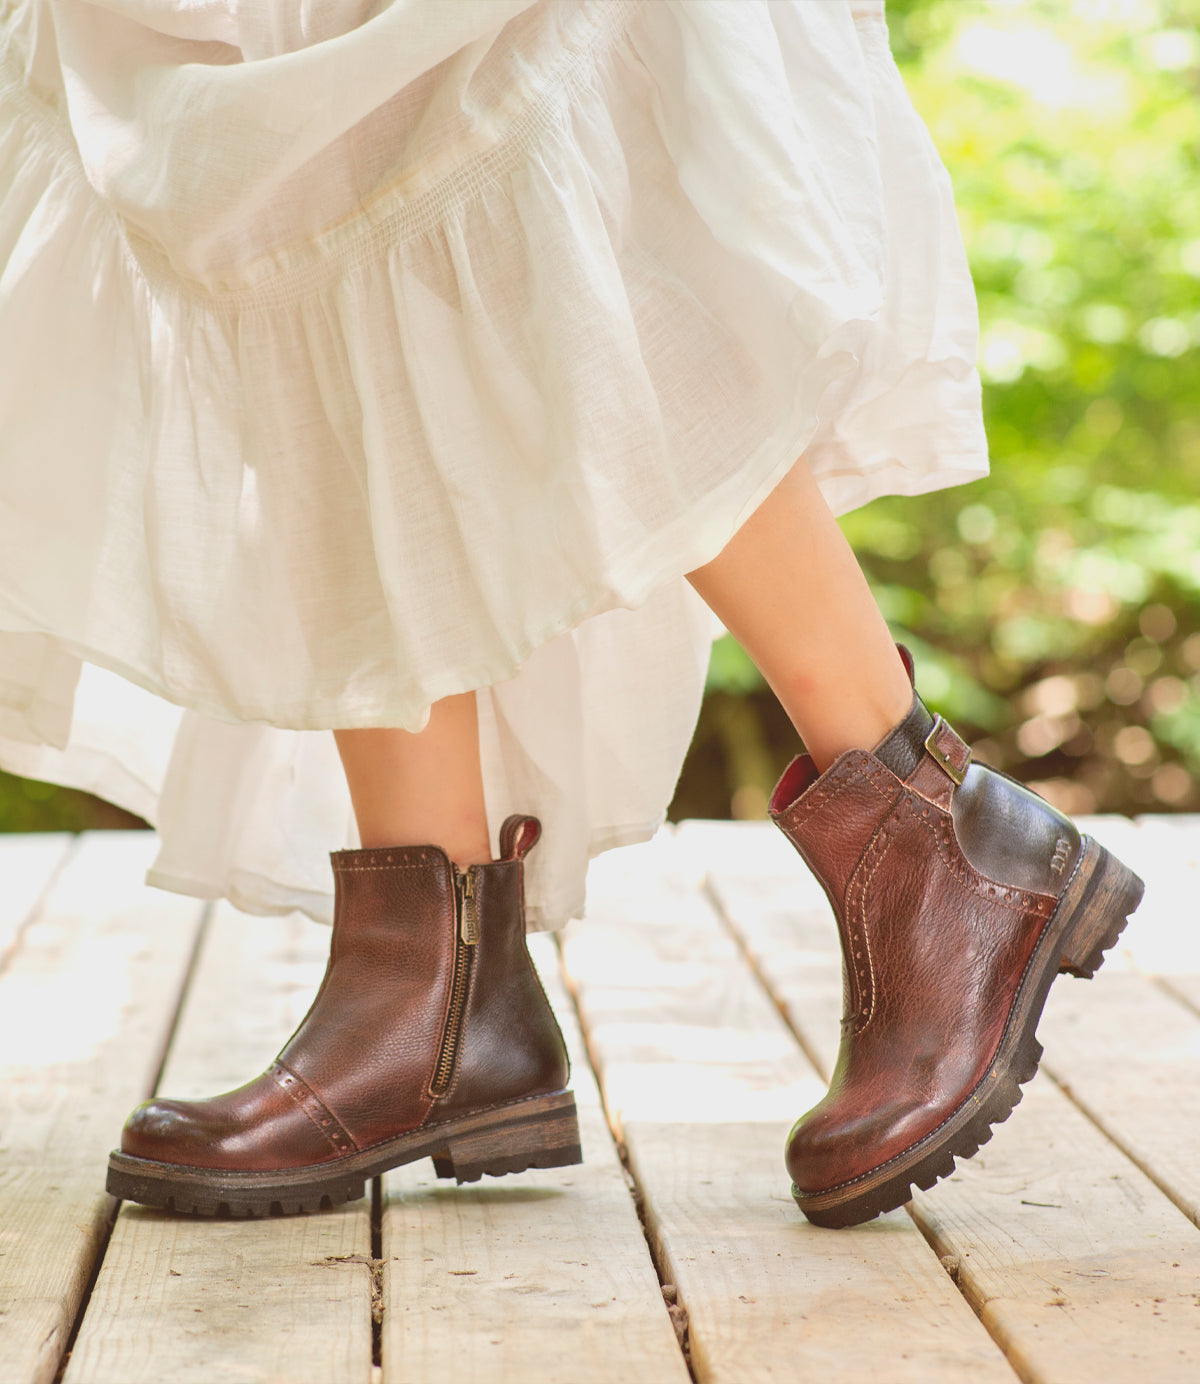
949 751
943 766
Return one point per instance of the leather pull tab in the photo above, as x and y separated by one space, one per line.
518 836
909 666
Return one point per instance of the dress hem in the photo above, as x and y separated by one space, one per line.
713 538
262 897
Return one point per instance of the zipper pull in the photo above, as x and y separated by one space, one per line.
468 907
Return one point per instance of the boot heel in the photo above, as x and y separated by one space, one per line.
1098 902
546 1135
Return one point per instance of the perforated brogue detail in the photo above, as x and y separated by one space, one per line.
315 1108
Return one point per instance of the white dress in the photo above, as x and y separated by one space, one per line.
353 354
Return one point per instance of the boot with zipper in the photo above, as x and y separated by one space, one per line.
959 896
430 1037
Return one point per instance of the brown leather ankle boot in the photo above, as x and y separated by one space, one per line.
959 895
430 1036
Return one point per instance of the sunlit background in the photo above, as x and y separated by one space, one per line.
1054 609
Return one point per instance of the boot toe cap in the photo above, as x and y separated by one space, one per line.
253 1129
817 1154
164 1131
831 1145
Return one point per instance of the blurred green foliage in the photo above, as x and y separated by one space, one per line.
1054 608
29 805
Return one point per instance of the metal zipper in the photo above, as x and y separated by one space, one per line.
466 935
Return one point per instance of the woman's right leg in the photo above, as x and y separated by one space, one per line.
959 894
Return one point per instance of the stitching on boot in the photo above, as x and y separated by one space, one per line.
1012 900
820 792
397 857
315 1108
820 795
878 847
1015 900
884 842
365 869
971 1095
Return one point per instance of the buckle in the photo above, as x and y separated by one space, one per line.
940 756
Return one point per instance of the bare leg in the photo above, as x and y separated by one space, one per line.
788 587
421 789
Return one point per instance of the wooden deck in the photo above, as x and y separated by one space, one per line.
707 982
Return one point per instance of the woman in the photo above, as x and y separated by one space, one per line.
434 370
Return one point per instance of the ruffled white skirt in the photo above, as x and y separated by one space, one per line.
354 355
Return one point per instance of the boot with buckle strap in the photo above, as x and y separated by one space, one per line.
959 896
430 1037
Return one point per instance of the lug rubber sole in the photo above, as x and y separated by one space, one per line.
1091 914
539 1132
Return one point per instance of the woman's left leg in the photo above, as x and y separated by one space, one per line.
790 590
959 894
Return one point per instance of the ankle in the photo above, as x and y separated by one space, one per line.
832 716
463 848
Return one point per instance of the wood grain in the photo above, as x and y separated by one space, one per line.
28 865
1078 1265
705 1080
1128 1055
1083 1271
1126 1046
195 1300
543 1277
86 1004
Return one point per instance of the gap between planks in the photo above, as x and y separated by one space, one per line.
703 1081
560 1273
1125 1048
193 1299
544 1276
102 1245
86 1003
579 1035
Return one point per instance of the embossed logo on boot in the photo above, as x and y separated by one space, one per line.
1062 853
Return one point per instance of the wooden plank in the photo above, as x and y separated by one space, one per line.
1081 1269
1127 1048
1162 939
705 1081
286 1300
1176 861
1128 1054
85 1007
541 1277
28 865
1078 1266
779 914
